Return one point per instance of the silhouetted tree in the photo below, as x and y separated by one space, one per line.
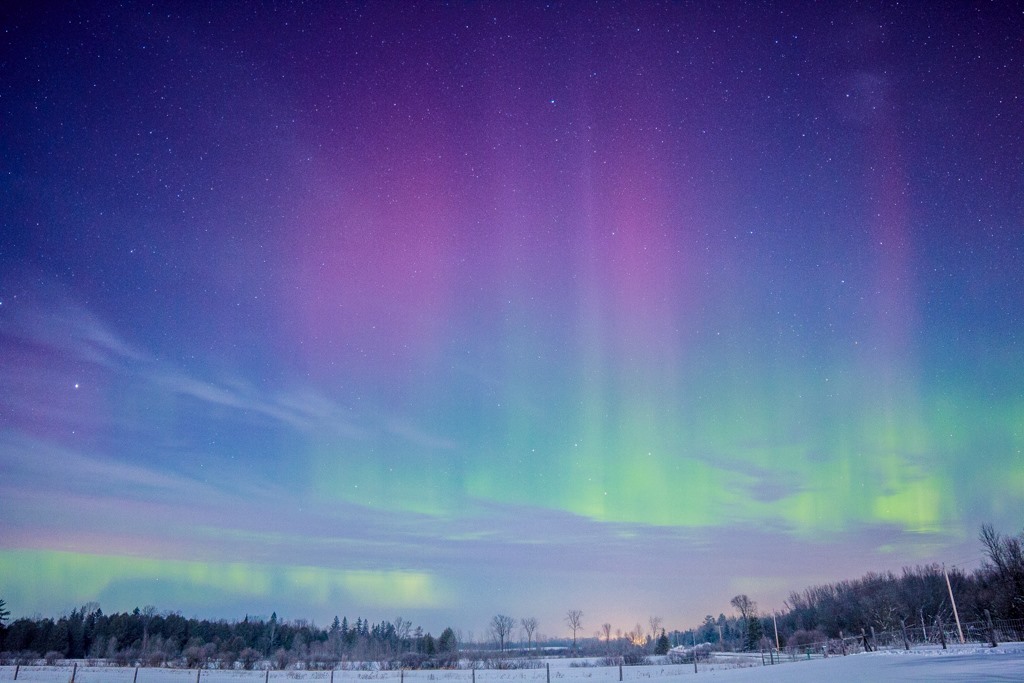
574 618
748 612
529 625
1004 571
501 626
662 646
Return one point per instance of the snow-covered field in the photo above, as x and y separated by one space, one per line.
963 664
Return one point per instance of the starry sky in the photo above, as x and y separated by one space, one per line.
448 309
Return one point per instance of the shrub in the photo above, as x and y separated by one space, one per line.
248 657
802 638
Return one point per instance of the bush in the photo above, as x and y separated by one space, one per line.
52 657
414 660
802 638
194 657
512 663
154 658
635 659
248 657
125 657
26 657
282 658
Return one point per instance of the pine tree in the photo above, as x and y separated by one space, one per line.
662 646
754 633
447 642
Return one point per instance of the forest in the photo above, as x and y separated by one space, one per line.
917 598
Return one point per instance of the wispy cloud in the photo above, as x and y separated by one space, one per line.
60 328
33 463
59 324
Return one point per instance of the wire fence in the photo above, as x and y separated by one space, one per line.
868 640
907 638
76 673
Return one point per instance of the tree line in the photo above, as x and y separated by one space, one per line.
917 598
152 639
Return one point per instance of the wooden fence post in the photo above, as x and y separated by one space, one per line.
267 676
74 672
942 633
906 641
198 673
991 629
620 670
135 679
17 668
547 666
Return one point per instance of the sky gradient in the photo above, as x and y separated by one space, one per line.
448 310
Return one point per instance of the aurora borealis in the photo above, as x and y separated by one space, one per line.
445 310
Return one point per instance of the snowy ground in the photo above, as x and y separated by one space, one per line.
963 664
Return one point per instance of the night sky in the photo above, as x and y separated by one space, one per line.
445 310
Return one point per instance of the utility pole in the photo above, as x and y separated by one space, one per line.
952 600
694 650
776 625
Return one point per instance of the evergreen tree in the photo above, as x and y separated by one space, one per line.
754 633
447 642
271 633
662 646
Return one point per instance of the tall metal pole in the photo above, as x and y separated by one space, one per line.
952 600
776 625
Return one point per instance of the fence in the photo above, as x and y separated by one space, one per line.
545 674
563 671
942 634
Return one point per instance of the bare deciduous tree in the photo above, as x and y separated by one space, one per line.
744 605
402 628
606 630
1005 565
655 624
148 612
748 611
529 625
501 626
574 618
